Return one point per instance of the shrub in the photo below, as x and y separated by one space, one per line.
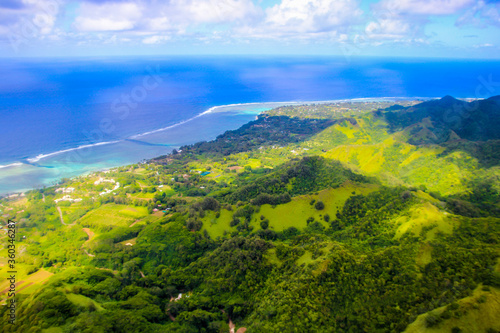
265 198
264 224
319 205
315 227
267 234
245 212
194 225
210 204
432 320
290 232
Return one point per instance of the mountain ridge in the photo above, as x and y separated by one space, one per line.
473 121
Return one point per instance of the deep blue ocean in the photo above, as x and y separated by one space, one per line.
62 117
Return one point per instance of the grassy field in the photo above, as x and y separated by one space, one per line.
72 213
368 149
25 283
113 215
167 190
476 313
80 300
297 211
217 226
426 216
141 195
307 257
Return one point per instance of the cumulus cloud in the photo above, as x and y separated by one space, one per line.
305 20
22 22
39 14
153 22
405 19
312 16
215 11
107 17
146 15
388 28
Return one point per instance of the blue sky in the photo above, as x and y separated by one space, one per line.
415 28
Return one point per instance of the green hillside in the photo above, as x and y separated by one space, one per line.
344 217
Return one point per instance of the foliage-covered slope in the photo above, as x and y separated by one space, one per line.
381 233
450 119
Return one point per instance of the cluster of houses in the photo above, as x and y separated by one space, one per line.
65 190
117 185
164 211
67 198
112 181
103 180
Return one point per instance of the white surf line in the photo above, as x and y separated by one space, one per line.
213 110
11 165
42 156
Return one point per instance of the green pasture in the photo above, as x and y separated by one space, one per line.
113 215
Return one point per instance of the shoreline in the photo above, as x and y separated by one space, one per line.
208 111
211 110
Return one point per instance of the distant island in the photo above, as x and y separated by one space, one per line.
341 217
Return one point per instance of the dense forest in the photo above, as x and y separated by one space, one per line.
380 220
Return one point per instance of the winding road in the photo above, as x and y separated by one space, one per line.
89 233
61 217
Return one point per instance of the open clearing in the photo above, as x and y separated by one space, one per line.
425 216
83 301
476 313
25 284
113 215
300 208
297 211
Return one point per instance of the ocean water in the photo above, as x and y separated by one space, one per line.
63 117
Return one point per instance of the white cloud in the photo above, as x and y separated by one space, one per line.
102 24
175 16
160 23
108 17
404 20
305 20
236 21
389 28
214 11
155 39
39 15
312 16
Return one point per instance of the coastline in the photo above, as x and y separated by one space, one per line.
209 111
237 109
